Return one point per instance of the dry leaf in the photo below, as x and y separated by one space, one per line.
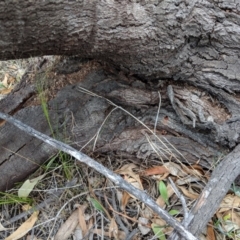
30 237
229 202
175 169
126 167
143 229
130 176
147 213
188 194
26 207
187 179
24 228
14 67
81 218
124 201
6 91
68 227
100 232
134 179
235 217
113 229
160 222
28 186
5 80
200 171
210 232
155 171
78 233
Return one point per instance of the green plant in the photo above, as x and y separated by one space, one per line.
158 231
97 205
8 198
41 88
64 158
235 189
226 227
163 192
173 212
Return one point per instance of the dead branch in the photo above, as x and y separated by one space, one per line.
106 172
217 187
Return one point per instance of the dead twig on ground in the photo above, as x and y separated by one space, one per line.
212 195
106 172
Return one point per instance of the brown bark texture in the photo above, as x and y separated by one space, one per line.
183 52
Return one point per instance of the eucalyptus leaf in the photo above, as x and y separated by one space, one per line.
173 212
158 231
97 205
28 186
163 192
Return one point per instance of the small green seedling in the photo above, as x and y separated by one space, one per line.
163 192
97 205
173 212
7 198
158 231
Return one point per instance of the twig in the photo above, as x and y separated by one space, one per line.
217 187
132 234
174 235
118 219
103 170
159 106
182 199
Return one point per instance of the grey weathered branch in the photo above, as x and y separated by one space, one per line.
106 172
213 193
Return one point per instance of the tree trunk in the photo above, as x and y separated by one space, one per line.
193 42
184 52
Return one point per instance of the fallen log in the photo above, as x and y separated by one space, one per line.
105 111
116 108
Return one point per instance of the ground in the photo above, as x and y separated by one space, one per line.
71 200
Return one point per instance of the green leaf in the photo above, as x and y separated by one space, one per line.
163 192
97 205
158 231
227 217
173 212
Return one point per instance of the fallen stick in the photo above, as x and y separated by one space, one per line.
103 170
212 195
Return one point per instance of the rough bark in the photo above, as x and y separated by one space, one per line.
78 116
194 42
